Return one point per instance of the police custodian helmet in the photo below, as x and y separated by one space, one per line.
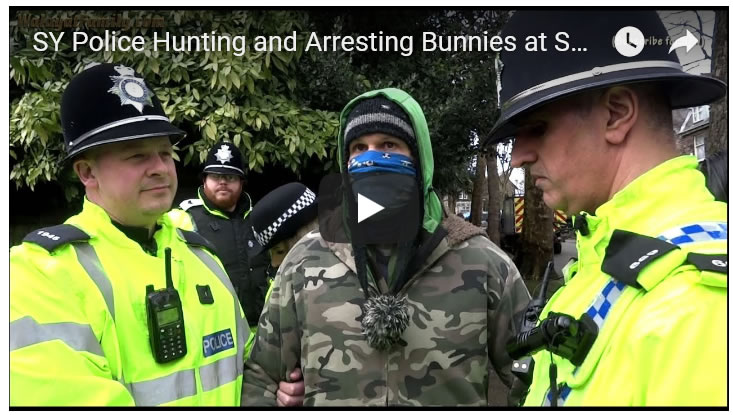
281 213
224 158
531 79
108 103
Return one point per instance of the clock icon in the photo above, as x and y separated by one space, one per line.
629 41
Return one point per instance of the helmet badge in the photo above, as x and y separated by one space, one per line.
130 89
224 155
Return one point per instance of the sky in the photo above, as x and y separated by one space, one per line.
677 23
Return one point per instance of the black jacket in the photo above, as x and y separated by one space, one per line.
231 233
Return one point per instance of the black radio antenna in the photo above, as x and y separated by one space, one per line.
545 281
168 276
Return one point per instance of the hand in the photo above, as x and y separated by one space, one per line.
291 393
517 393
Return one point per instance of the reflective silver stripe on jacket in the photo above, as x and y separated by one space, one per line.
150 392
27 331
207 259
219 373
180 384
90 262
164 389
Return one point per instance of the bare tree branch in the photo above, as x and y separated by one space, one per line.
689 68
694 29
696 24
698 62
669 14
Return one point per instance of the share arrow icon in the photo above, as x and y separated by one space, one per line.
366 207
688 41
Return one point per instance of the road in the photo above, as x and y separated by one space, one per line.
568 251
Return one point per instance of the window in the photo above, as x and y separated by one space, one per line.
463 207
700 147
700 113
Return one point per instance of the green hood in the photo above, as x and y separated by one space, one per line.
432 208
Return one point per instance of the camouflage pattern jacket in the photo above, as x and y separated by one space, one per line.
465 302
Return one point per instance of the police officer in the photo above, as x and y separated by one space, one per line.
221 215
370 320
81 324
648 292
281 218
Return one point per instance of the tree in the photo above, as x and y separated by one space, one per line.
496 196
698 22
456 89
279 107
717 139
537 231
479 183
249 99
711 27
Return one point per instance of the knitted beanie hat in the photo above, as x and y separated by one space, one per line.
379 115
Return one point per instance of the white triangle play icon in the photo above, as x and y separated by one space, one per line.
366 207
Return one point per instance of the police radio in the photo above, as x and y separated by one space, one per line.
559 333
523 366
165 319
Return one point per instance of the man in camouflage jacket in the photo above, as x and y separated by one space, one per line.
464 298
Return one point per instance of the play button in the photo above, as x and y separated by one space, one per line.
373 215
366 207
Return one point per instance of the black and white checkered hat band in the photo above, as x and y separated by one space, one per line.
305 200
379 117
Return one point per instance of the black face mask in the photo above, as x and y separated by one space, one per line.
385 315
400 220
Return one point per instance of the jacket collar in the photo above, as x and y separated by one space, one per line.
650 205
96 222
655 191
140 235
244 205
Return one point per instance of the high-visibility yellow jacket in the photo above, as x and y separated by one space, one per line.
78 322
248 289
661 312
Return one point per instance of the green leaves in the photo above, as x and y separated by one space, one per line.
250 100
456 90
279 108
34 132
210 132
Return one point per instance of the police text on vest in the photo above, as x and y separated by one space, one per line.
217 342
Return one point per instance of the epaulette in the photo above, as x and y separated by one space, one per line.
707 262
193 238
628 253
189 203
53 237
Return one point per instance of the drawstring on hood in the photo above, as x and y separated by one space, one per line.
385 315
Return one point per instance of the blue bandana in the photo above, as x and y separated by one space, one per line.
379 161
